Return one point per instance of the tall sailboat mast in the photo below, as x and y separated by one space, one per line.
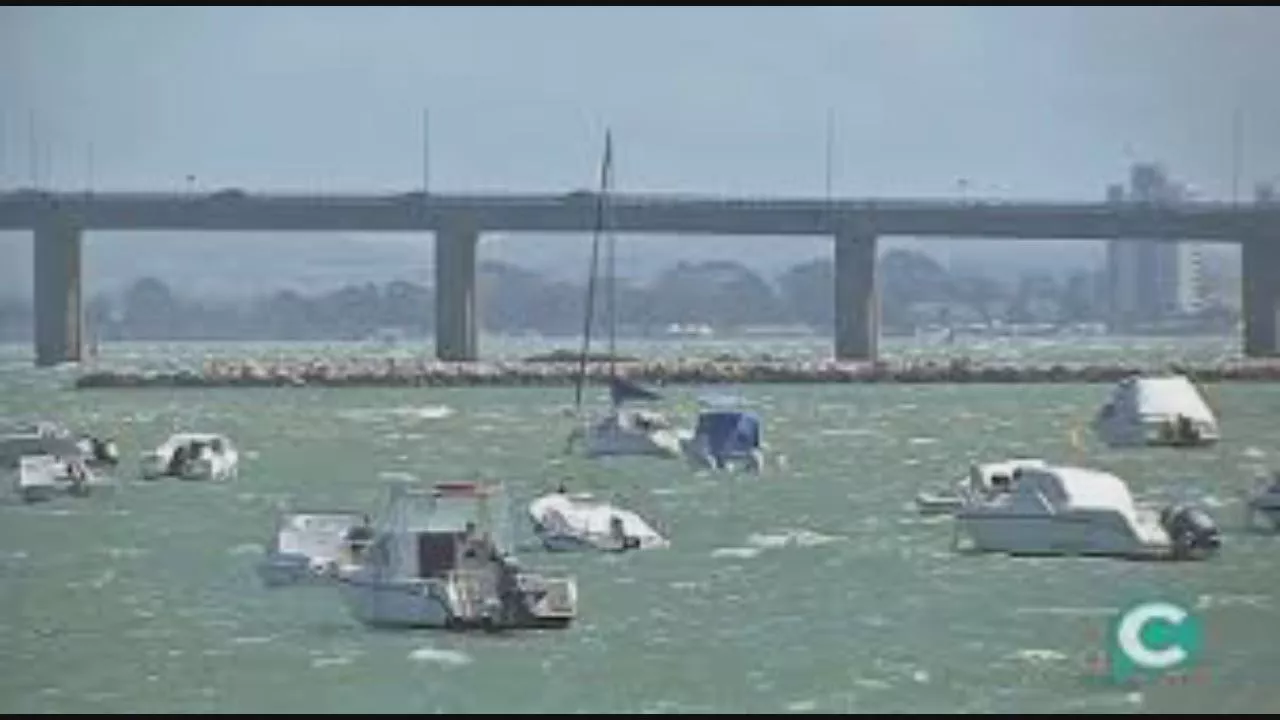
595 262
611 281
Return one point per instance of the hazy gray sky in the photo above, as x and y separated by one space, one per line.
1023 102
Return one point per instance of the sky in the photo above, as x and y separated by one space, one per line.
1037 102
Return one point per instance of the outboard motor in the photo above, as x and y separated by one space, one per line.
104 452
1194 533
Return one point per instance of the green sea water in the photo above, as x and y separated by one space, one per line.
813 588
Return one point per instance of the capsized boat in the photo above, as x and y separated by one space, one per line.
579 521
1060 510
48 438
310 546
1265 501
726 438
193 456
441 557
43 477
1166 410
983 481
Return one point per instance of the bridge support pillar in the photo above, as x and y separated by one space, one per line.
857 310
456 317
59 317
1261 295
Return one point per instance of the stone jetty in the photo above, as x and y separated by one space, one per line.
553 371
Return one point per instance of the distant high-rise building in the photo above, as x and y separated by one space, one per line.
1151 280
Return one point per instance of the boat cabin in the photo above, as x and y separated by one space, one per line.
432 533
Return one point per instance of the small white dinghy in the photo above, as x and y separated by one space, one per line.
983 481
1265 501
309 546
565 522
43 477
193 456
1166 411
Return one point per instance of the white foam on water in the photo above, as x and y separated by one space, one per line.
799 706
1204 602
123 552
1254 453
443 657
922 441
1069 611
424 412
252 640
800 538
872 683
735 552
246 549
1035 655
322 662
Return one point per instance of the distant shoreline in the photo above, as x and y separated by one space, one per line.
390 372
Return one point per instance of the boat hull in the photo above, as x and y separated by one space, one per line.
1061 534
457 605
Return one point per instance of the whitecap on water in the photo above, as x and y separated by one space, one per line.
424 412
1039 655
800 706
801 538
1204 602
735 552
444 657
251 640
246 549
1254 453
922 441
1060 610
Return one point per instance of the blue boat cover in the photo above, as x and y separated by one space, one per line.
729 433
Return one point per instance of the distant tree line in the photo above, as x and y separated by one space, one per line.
915 291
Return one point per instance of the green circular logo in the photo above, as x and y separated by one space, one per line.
1153 638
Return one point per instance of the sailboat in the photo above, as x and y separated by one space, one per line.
620 430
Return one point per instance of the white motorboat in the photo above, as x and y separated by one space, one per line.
43 477
193 456
983 481
1058 510
1156 411
725 438
1265 501
440 557
47 438
579 521
310 545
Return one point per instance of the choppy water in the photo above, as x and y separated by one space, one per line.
812 589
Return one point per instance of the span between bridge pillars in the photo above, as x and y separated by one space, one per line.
857 306
456 318
59 316
1260 259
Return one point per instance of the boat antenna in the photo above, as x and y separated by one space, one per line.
591 274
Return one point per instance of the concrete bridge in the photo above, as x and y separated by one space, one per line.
59 221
